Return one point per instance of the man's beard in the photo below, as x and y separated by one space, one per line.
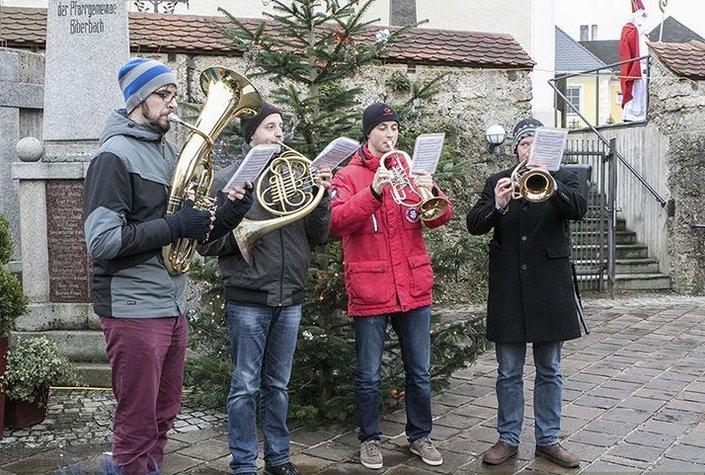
161 122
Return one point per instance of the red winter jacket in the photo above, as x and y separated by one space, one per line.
387 268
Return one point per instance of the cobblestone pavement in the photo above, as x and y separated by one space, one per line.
634 401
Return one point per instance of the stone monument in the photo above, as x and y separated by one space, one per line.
86 43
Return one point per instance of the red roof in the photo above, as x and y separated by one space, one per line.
150 32
684 59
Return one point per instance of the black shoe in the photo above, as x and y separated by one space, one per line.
283 469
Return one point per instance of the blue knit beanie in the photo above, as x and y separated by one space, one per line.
140 77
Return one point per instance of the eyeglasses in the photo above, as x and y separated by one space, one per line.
166 96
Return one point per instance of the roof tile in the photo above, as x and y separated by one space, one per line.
684 59
201 34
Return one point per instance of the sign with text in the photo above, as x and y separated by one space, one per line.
87 42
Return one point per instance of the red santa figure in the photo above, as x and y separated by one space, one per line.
633 75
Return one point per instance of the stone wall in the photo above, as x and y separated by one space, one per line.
677 110
471 99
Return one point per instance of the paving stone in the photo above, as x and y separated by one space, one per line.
595 438
651 439
641 404
206 450
637 452
691 453
331 451
620 428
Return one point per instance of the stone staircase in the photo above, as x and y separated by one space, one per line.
635 270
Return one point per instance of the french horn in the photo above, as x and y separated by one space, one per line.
287 189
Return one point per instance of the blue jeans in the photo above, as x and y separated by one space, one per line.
548 387
263 340
414 332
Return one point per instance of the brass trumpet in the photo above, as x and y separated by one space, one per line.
532 185
398 164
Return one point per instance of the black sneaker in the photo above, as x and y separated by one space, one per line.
283 469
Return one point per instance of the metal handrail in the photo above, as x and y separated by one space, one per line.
551 82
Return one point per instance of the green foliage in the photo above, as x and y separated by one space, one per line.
398 82
33 365
13 301
6 246
310 50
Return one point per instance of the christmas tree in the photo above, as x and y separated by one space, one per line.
313 51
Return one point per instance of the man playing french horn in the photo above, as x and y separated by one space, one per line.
388 276
263 308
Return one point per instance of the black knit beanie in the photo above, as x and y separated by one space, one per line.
524 128
375 114
249 125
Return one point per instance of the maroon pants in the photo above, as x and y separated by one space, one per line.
146 357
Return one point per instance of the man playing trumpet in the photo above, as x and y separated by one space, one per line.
531 297
388 278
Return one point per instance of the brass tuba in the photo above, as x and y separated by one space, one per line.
286 188
228 95
398 164
531 184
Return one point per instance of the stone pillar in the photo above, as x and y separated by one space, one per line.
21 98
86 44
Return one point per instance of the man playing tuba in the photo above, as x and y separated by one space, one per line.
263 308
139 303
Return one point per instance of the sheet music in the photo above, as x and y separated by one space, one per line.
427 151
251 166
335 152
548 147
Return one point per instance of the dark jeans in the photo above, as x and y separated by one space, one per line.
413 329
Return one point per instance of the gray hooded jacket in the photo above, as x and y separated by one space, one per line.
125 195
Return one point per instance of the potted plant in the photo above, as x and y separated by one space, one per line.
33 364
13 302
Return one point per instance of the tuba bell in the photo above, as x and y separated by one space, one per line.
531 184
229 95
404 193
287 189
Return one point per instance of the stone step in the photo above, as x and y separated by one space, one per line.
651 281
595 222
622 237
94 375
86 346
622 266
622 251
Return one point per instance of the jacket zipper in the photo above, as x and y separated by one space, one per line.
375 228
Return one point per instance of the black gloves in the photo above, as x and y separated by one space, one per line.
189 222
230 213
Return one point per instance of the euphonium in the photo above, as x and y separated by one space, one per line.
533 185
228 95
398 164
286 188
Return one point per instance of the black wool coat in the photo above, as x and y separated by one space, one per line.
531 296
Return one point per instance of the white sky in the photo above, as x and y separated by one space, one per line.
611 15
608 15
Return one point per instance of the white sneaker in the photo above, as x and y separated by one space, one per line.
370 455
424 448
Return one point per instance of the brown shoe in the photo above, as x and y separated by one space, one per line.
499 453
557 454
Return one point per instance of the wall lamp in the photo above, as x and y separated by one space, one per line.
495 135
